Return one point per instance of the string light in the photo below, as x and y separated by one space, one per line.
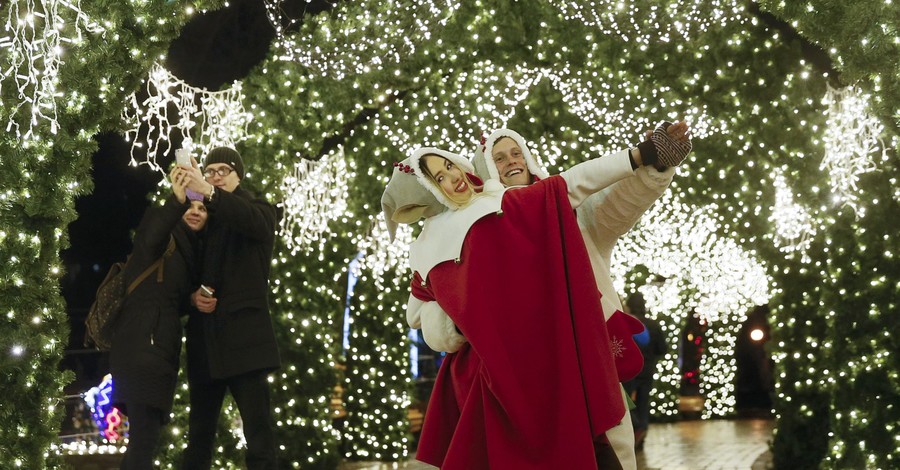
703 274
794 225
852 137
204 119
35 43
665 23
380 39
314 194
381 256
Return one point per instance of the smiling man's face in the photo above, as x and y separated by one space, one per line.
510 162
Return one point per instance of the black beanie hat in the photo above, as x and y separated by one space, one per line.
228 156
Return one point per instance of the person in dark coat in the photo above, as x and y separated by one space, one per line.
652 342
146 342
231 342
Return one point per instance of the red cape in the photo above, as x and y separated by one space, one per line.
537 381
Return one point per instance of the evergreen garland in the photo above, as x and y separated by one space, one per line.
836 396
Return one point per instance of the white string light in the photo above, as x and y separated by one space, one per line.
851 140
704 273
36 35
205 119
381 255
794 225
682 19
376 40
276 17
315 194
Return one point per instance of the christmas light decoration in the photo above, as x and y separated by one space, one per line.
380 38
105 415
577 79
315 193
36 39
382 256
704 275
794 225
204 119
670 22
852 137
280 22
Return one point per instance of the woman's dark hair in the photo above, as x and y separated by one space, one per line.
424 167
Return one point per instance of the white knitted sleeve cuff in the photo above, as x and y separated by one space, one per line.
439 330
413 316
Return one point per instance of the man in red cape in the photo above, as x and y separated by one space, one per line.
536 382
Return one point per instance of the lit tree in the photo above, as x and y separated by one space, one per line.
364 84
66 69
583 78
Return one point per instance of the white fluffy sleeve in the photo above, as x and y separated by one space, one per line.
588 177
438 329
611 213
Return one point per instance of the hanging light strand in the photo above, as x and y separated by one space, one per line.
315 194
35 38
852 139
204 119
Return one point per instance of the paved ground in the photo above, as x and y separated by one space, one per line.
686 445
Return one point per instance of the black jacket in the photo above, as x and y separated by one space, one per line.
238 337
653 349
146 343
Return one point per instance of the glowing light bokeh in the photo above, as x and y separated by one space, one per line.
204 119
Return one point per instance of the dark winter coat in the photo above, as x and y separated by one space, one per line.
653 349
238 337
146 344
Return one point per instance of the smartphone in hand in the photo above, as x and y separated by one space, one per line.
183 157
206 292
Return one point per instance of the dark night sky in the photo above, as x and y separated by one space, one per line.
213 50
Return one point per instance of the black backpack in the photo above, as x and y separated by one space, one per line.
108 303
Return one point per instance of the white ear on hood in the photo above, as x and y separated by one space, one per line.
406 200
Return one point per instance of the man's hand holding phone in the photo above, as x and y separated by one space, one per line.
204 299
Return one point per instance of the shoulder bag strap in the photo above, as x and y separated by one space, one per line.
157 265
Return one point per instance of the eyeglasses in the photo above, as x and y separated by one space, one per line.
223 172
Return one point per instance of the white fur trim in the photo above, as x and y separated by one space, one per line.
439 330
443 235
457 160
530 161
413 314
492 186
654 178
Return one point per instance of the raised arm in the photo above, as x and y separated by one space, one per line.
152 234
587 178
665 146
609 214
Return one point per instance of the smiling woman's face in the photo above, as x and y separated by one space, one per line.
450 178
195 216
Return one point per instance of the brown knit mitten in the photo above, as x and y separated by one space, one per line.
670 152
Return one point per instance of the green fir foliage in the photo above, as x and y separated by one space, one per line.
373 78
41 175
